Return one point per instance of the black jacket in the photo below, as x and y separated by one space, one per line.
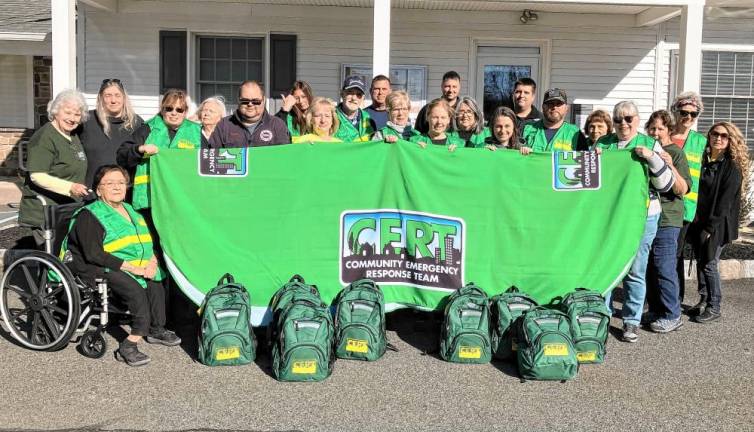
718 206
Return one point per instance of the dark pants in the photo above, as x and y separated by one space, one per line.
664 301
679 264
708 275
147 306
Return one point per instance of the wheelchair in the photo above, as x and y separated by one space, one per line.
44 306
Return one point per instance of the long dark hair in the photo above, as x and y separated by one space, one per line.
502 111
299 117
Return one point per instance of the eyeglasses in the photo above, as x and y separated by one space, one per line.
619 120
722 135
107 81
111 184
692 114
179 110
465 114
255 102
397 109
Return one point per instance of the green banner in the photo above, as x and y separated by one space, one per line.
420 222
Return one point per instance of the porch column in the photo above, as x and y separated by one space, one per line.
63 45
381 38
690 55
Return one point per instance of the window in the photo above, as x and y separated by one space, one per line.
727 89
412 79
224 62
172 60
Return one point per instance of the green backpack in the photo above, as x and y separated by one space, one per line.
590 324
545 350
465 336
507 308
360 322
226 337
303 336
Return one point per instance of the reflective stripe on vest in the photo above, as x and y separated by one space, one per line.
694 149
188 136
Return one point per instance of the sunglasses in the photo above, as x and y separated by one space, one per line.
692 114
722 135
255 102
619 120
179 110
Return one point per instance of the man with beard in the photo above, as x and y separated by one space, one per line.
250 125
552 132
451 88
355 123
524 93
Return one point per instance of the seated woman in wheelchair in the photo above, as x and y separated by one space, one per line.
109 239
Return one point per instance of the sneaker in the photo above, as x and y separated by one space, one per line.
630 333
664 325
129 353
707 316
648 318
163 336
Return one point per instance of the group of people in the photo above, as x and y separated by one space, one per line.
696 185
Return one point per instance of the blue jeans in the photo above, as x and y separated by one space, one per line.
708 276
667 302
635 284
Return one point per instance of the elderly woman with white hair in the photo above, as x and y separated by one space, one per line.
210 112
56 162
686 109
627 136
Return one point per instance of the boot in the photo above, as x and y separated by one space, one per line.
129 353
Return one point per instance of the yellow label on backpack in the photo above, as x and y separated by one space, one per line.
304 367
587 356
357 345
228 353
470 352
556 349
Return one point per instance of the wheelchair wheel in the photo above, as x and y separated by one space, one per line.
39 301
93 344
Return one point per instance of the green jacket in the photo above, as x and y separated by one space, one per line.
694 149
188 136
347 132
565 139
475 140
388 131
126 240
450 140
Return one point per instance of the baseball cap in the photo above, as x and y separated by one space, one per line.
555 94
355 82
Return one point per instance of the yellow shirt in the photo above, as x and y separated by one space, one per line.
312 138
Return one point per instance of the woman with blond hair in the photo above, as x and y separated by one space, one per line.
398 125
440 118
725 166
109 125
321 122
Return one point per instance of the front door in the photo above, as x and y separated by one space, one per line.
498 68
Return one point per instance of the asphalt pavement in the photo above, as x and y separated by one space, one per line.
700 377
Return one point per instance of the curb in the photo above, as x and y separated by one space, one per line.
730 269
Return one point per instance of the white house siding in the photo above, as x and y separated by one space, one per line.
14 91
599 59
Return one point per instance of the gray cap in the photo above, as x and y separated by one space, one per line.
555 94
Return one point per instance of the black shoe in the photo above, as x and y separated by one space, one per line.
129 353
163 336
698 308
707 316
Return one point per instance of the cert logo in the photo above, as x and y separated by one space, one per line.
223 162
399 247
572 171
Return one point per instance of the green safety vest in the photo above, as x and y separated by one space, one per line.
475 140
126 240
293 129
450 140
694 149
388 131
347 132
188 136
565 139
610 142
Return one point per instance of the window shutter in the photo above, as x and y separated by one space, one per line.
283 63
172 60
